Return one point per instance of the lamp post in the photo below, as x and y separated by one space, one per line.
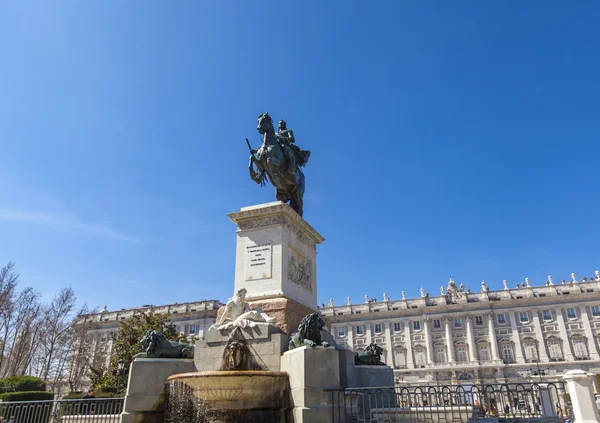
119 372
537 372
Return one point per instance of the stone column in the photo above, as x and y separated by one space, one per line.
593 347
388 344
560 320
471 339
582 396
449 340
429 342
492 338
540 336
519 356
410 364
350 336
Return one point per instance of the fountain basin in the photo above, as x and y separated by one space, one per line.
229 396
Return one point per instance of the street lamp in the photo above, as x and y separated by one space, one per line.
537 372
119 372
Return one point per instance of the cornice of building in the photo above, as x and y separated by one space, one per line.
202 308
464 301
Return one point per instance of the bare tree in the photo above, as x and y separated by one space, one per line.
26 323
58 323
8 286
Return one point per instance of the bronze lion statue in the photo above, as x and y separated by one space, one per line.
309 332
371 356
156 345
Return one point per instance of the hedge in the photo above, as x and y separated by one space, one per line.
27 396
97 394
22 384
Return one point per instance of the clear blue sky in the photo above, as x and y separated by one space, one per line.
448 138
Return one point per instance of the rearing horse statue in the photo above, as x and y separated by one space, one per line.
280 162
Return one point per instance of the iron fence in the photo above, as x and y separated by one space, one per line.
97 410
506 403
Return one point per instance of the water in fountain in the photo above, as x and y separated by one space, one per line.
239 393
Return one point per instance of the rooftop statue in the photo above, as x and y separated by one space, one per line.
238 314
453 294
279 160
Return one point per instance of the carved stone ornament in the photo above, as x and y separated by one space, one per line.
453 295
277 220
300 272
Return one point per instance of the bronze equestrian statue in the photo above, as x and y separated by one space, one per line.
279 160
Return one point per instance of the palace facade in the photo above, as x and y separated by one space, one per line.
535 333
527 332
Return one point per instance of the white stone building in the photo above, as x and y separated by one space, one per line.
535 333
193 319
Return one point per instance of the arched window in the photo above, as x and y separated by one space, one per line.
484 351
461 353
531 350
508 355
555 349
399 358
580 348
420 359
440 354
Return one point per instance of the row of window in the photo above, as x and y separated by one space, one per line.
458 322
462 355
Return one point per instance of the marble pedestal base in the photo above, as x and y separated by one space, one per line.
145 399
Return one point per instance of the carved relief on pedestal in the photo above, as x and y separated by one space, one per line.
300 270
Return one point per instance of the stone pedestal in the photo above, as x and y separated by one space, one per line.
310 371
145 399
581 391
276 259
265 343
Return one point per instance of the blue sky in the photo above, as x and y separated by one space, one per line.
447 138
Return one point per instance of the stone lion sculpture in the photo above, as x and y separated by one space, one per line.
371 356
156 345
309 332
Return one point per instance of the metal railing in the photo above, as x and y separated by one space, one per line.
97 410
506 403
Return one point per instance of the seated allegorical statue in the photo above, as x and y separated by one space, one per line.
239 315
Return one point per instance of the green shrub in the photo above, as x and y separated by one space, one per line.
97 394
27 396
22 384
73 395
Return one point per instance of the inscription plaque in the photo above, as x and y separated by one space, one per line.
258 261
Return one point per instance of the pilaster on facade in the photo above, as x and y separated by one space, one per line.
519 356
543 350
388 344
449 340
562 329
428 340
368 333
589 334
492 337
410 364
350 336
471 339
